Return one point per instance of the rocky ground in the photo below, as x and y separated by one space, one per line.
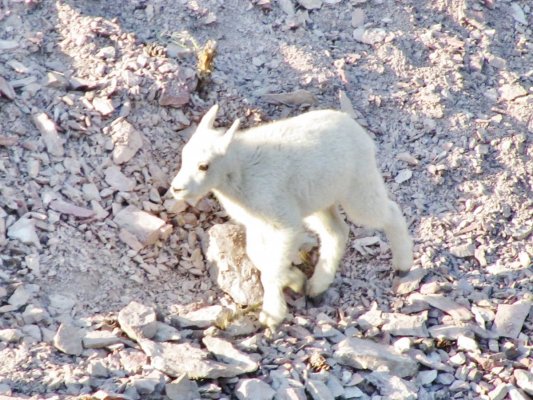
105 289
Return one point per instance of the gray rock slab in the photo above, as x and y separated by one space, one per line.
176 359
226 352
51 138
138 321
20 296
253 389
318 390
366 354
68 339
24 230
10 335
409 282
230 267
100 339
144 226
449 332
406 325
127 140
443 303
202 318
510 318
117 180
392 387
291 393
33 314
524 380
182 388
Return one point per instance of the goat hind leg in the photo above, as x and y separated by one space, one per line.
373 209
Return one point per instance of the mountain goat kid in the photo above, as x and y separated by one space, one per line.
279 178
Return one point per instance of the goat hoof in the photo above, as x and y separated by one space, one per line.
314 290
401 274
317 301
269 321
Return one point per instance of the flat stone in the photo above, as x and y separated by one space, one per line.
10 335
144 226
182 388
509 92
138 321
174 94
463 251
458 359
335 386
64 207
403 176
365 354
392 387
425 378
167 333
310 4
318 390
68 339
174 206
432 360
445 378
56 80
51 138
19 297
133 361
230 267
406 325
369 36
145 385
524 380
100 339
291 393
6 89
33 314
103 105
117 180
457 311
449 332
97 369
409 282
353 392
358 18
499 392
176 359
127 140
24 230
60 303
224 351
371 319
253 389
515 394
5 392
510 318
202 318
467 343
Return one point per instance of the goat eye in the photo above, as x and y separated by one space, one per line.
203 167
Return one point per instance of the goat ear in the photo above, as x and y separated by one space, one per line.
209 118
228 136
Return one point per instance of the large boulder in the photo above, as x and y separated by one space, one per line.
230 267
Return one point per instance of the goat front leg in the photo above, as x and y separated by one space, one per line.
270 250
332 232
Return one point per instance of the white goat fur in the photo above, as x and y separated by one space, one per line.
279 178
